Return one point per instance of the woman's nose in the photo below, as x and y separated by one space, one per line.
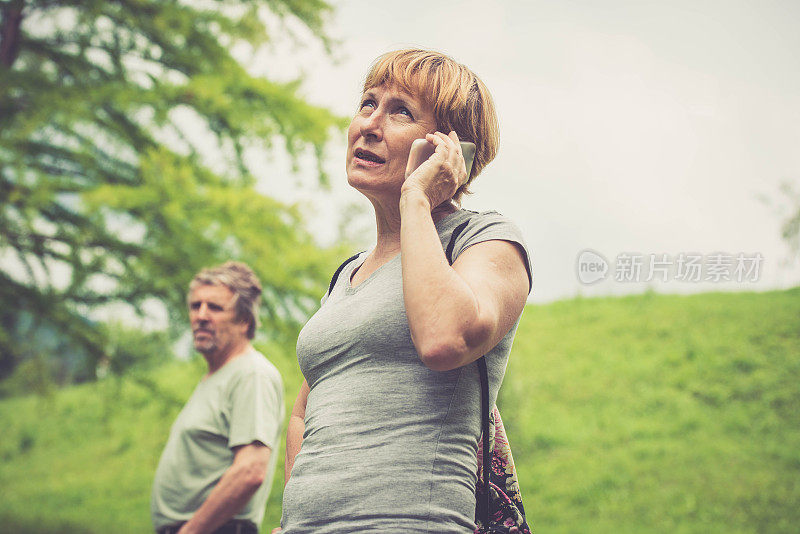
372 126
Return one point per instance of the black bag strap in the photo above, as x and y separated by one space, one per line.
448 252
339 270
487 454
487 460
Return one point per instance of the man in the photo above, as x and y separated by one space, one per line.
216 470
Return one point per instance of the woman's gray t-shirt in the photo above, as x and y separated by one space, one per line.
389 445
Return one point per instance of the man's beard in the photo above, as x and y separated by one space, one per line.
207 345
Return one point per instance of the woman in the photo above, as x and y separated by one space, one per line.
383 435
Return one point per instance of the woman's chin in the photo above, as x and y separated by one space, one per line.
373 182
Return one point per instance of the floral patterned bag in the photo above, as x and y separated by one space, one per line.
500 509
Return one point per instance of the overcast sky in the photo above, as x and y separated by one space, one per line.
626 126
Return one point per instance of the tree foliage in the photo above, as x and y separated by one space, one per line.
790 229
107 192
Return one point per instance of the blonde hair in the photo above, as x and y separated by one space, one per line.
243 283
459 99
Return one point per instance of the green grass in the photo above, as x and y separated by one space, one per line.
652 413
659 413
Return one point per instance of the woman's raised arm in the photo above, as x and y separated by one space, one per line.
455 313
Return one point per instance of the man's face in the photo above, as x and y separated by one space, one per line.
214 326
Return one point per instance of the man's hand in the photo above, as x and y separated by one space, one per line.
233 491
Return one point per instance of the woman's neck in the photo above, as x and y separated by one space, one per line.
387 221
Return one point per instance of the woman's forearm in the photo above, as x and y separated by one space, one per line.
294 430
294 440
442 309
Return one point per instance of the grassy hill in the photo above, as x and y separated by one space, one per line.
675 414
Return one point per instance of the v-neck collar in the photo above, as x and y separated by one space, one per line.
351 289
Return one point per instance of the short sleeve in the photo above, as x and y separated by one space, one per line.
488 226
256 409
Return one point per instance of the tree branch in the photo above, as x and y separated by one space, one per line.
11 14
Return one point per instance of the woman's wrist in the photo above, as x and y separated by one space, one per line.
412 197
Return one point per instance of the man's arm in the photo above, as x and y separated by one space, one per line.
294 430
233 491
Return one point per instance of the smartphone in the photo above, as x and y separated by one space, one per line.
421 150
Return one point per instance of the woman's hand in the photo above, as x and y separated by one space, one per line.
438 178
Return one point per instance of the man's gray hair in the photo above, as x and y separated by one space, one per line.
244 284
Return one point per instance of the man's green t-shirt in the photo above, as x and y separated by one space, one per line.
239 404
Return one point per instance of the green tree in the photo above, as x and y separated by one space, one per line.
790 229
106 194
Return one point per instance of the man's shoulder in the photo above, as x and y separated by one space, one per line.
254 362
254 378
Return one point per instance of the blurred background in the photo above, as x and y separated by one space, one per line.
653 143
